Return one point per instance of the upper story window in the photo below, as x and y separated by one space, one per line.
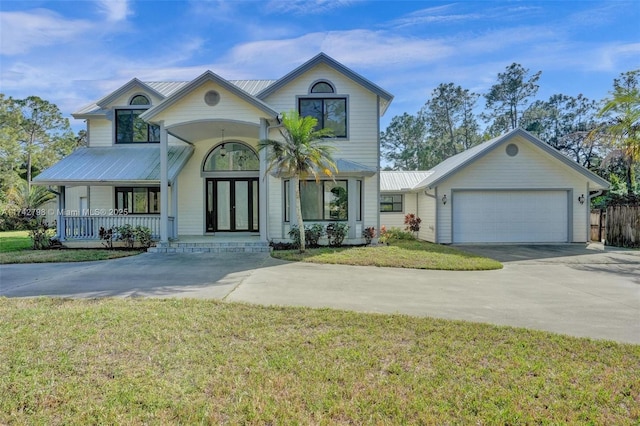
330 110
231 156
130 128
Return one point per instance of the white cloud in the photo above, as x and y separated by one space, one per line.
114 10
22 31
305 7
438 14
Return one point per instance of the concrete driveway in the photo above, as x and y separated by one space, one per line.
589 292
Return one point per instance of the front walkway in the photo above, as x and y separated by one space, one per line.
597 296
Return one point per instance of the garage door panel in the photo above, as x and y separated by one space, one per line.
510 216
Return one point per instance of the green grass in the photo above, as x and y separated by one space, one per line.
15 247
14 241
400 254
148 361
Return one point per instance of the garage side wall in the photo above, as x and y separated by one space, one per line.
529 170
427 209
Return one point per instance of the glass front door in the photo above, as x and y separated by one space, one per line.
232 205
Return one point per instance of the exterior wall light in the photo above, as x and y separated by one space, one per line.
444 199
223 151
581 199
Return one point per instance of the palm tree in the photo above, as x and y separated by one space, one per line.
301 153
623 128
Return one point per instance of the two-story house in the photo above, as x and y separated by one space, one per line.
182 157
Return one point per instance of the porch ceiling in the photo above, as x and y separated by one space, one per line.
195 131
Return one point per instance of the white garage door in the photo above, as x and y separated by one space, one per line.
510 217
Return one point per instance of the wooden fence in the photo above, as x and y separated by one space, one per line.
598 225
622 226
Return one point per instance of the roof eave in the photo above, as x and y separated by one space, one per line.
104 102
327 60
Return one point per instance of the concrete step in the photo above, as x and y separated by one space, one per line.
212 247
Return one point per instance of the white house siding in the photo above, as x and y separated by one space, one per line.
275 208
427 212
530 169
193 107
361 145
72 198
100 132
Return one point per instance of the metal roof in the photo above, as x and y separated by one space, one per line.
401 180
453 164
121 164
167 88
253 87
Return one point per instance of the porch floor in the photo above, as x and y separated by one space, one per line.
220 243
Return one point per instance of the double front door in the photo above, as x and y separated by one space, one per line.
232 205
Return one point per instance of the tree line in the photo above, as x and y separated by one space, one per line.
34 135
603 135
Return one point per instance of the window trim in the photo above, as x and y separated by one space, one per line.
150 189
326 96
392 203
132 108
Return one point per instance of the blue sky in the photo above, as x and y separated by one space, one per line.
74 52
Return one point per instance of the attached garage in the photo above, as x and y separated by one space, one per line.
511 189
510 216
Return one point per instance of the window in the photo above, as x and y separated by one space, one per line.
231 156
391 203
322 87
130 128
331 113
324 200
139 100
138 200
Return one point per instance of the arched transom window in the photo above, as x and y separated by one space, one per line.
139 100
322 87
231 156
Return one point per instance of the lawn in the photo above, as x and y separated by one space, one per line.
400 254
142 361
15 247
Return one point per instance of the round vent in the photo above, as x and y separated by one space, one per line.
512 150
212 98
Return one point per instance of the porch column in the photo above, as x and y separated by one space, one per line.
62 206
262 186
164 185
174 208
351 207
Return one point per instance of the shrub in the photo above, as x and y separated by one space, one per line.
395 234
125 233
40 234
369 234
294 234
312 235
413 222
143 235
337 232
106 235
